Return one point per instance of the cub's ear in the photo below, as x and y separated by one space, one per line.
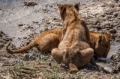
60 7
108 34
101 39
77 6
62 10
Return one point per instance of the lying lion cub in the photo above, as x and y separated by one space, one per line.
100 43
45 42
74 49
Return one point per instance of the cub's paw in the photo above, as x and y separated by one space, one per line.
73 68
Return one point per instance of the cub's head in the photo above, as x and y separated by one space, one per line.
103 45
67 10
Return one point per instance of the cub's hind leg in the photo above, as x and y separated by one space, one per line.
48 42
57 55
87 55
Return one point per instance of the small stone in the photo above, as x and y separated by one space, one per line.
48 22
30 3
54 18
115 14
117 40
113 36
109 12
112 5
112 31
35 22
20 24
116 1
107 69
46 29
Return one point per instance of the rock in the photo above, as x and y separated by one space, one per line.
1 45
109 12
118 29
54 18
117 40
48 22
115 62
101 64
112 31
113 36
107 69
30 3
104 67
109 26
20 24
109 17
116 1
115 14
117 9
35 22
46 29
112 5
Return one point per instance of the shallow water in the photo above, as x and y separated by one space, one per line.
113 49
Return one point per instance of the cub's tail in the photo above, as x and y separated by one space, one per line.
22 49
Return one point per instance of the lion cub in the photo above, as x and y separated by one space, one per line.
45 42
74 49
100 43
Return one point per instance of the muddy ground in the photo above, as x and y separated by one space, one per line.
21 24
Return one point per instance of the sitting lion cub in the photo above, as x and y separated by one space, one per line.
74 49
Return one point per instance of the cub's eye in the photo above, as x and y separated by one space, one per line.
107 46
100 41
105 49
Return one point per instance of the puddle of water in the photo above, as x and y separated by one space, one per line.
113 49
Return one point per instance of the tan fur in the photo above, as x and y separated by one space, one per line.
74 48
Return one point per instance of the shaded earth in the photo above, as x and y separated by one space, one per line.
21 24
